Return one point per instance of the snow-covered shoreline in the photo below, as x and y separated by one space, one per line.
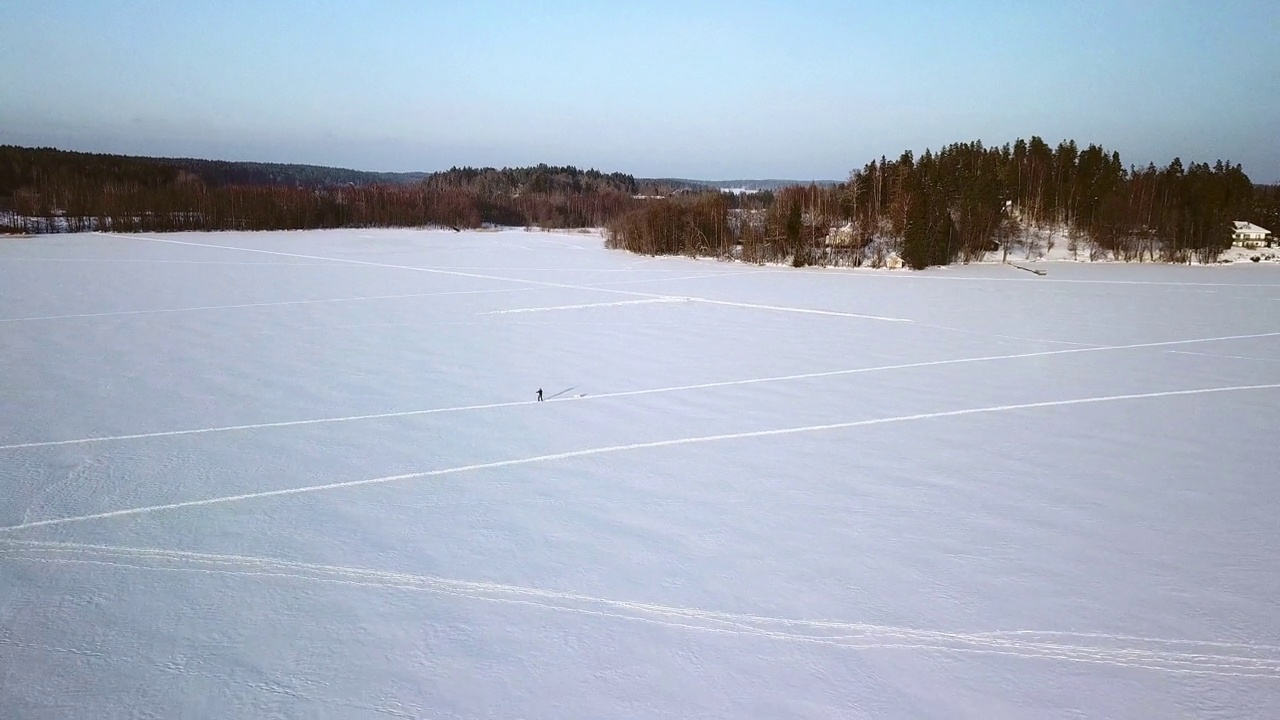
1050 249
305 473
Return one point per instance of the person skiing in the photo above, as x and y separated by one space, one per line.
539 394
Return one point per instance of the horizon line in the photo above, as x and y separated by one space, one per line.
671 177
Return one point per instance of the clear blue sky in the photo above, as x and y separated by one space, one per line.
804 89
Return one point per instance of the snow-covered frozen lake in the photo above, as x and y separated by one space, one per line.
303 474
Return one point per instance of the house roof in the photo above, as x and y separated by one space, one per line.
1248 227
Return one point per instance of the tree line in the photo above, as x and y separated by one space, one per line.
23 167
966 201
47 190
958 204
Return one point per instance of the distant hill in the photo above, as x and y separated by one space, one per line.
728 185
226 172
766 184
19 166
49 190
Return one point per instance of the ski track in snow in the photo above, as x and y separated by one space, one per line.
1228 357
600 287
1211 657
804 311
642 281
523 281
361 298
581 306
624 448
627 393
370 263
1201 658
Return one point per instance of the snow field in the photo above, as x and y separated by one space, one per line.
306 477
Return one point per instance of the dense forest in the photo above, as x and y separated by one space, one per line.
46 190
958 204
23 167
968 200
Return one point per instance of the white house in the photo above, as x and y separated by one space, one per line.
1247 233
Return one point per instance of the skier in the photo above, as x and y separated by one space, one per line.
539 394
